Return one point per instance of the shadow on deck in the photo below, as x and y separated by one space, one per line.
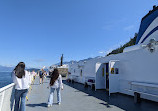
122 101
35 105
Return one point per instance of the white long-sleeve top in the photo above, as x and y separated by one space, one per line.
58 83
21 83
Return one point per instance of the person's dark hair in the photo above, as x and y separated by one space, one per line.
54 77
20 70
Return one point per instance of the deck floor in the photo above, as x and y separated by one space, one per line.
77 98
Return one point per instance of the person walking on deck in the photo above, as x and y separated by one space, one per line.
41 75
34 74
55 84
22 81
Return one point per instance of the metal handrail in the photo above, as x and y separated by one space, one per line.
6 87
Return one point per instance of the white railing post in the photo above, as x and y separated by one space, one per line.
1 99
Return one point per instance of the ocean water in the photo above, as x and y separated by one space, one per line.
5 79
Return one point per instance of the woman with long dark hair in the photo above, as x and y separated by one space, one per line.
55 84
22 81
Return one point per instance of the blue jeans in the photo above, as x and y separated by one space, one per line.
20 94
50 100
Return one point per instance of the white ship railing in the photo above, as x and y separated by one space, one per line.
7 97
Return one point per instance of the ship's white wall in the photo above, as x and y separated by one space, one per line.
138 65
100 80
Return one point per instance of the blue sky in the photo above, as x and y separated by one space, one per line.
39 31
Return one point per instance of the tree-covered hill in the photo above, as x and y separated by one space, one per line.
121 48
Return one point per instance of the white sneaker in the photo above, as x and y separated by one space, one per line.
49 105
58 103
